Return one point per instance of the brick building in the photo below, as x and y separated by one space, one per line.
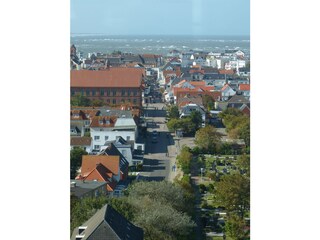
114 86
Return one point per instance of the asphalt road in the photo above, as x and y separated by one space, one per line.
157 163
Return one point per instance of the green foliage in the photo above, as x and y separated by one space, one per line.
208 102
97 103
243 163
174 124
208 138
233 192
173 112
184 159
159 210
82 210
80 100
237 124
196 118
236 228
76 159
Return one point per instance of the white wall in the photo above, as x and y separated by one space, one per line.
111 136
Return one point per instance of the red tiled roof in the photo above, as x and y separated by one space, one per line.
105 119
225 71
225 87
112 77
244 87
198 83
89 162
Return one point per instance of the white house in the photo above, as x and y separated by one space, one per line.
103 129
227 92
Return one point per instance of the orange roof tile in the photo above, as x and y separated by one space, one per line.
89 162
225 71
112 77
198 83
106 121
244 87
225 87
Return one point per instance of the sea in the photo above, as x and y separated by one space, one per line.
157 44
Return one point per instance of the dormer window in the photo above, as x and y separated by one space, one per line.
76 115
100 122
107 122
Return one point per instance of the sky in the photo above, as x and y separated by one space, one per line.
161 17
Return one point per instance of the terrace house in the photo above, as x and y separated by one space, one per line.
114 86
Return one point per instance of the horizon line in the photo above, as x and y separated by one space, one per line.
183 34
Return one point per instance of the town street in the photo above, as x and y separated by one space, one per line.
159 159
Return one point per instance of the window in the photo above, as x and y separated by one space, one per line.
135 101
96 137
114 92
100 122
122 100
108 100
114 101
123 92
108 92
106 138
123 152
72 92
87 92
82 91
96 147
129 100
93 92
101 92
134 92
129 92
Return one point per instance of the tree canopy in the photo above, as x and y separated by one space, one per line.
237 124
207 138
80 100
76 159
233 193
173 112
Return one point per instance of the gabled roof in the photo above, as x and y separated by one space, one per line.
238 99
111 77
112 150
80 141
103 121
107 223
225 87
188 109
110 162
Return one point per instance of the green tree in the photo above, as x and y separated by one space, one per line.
208 138
174 124
173 112
80 100
233 193
97 103
159 210
196 118
76 159
236 228
243 163
184 159
208 102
